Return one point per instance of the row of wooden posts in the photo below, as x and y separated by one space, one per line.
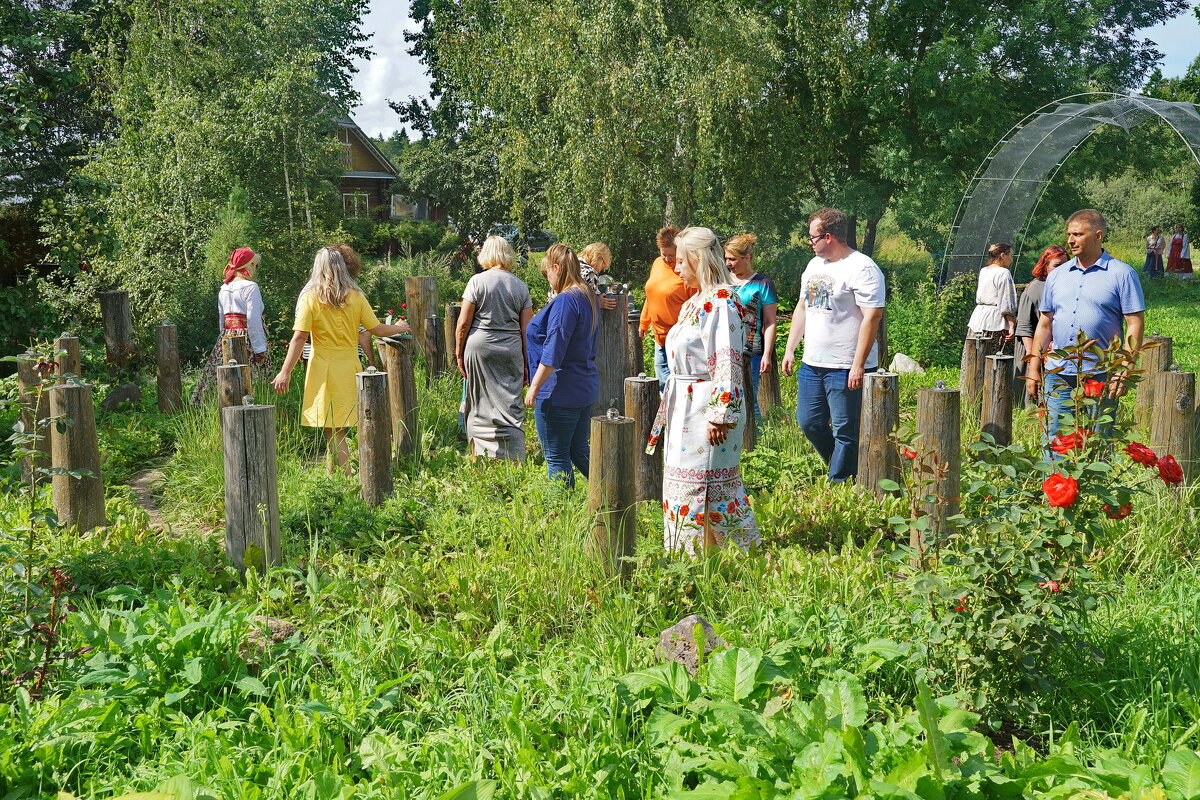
622 474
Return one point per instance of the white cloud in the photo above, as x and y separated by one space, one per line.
391 73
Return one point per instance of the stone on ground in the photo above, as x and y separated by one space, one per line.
678 643
902 364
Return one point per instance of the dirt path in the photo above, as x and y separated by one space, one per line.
143 485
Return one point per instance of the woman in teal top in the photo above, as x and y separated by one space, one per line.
756 293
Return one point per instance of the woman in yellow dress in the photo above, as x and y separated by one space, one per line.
330 309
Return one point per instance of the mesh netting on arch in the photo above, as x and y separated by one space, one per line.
1004 192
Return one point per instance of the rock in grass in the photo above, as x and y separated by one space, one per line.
678 642
902 364
267 632
125 393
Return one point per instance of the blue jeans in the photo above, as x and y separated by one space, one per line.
1058 388
662 370
755 378
563 433
828 414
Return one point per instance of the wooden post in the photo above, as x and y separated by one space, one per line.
768 389
402 395
118 327
232 385
435 348
641 405
996 416
374 436
237 348
34 411
877 456
939 444
1151 362
453 310
1173 422
970 381
612 359
612 500
251 491
422 295
750 426
633 342
78 502
67 362
881 342
166 350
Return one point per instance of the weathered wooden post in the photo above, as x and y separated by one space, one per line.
750 426
453 310
1151 361
939 443
67 362
612 354
34 410
118 327
251 491
612 500
233 383
78 501
435 348
1173 422
166 350
421 292
396 356
237 348
877 456
633 342
374 436
641 405
996 417
768 389
881 341
970 381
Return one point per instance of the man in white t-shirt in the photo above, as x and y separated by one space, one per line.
838 313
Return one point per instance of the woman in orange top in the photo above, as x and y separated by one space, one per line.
665 295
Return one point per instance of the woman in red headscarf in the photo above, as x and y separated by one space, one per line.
239 314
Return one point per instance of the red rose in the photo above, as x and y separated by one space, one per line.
1141 454
1051 586
1120 512
962 604
1061 490
909 454
1169 470
83 267
1093 388
1068 442
391 311
404 305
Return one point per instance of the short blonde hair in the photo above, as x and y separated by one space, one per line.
595 254
710 257
496 252
741 245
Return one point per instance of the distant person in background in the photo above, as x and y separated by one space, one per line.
1156 244
703 409
594 259
239 314
564 382
995 314
1028 308
331 309
756 292
490 351
665 295
1179 261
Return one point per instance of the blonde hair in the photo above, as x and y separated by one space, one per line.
710 257
330 279
570 276
496 252
742 245
595 254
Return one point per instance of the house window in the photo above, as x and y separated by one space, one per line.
355 204
347 154
405 208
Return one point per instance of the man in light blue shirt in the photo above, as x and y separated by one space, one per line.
1095 294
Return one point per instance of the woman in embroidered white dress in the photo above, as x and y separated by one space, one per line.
700 421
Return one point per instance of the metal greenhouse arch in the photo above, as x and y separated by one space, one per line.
1003 194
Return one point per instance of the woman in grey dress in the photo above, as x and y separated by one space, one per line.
490 350
1029 310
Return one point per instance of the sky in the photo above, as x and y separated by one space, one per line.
392 74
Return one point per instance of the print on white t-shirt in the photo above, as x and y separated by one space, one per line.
834 294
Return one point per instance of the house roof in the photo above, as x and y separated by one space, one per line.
357 132
358 173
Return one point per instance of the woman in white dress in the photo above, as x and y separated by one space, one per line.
995 314
703 409
239 314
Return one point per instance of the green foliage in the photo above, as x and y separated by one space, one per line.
383 281
929 324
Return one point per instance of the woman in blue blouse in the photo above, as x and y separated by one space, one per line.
564 382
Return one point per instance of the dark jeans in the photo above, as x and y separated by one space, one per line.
1060 406
828 414
563 433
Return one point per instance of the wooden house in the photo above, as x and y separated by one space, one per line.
366 185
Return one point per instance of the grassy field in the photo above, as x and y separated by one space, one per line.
457 641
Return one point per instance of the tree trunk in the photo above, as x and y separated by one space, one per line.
868 246
852 231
